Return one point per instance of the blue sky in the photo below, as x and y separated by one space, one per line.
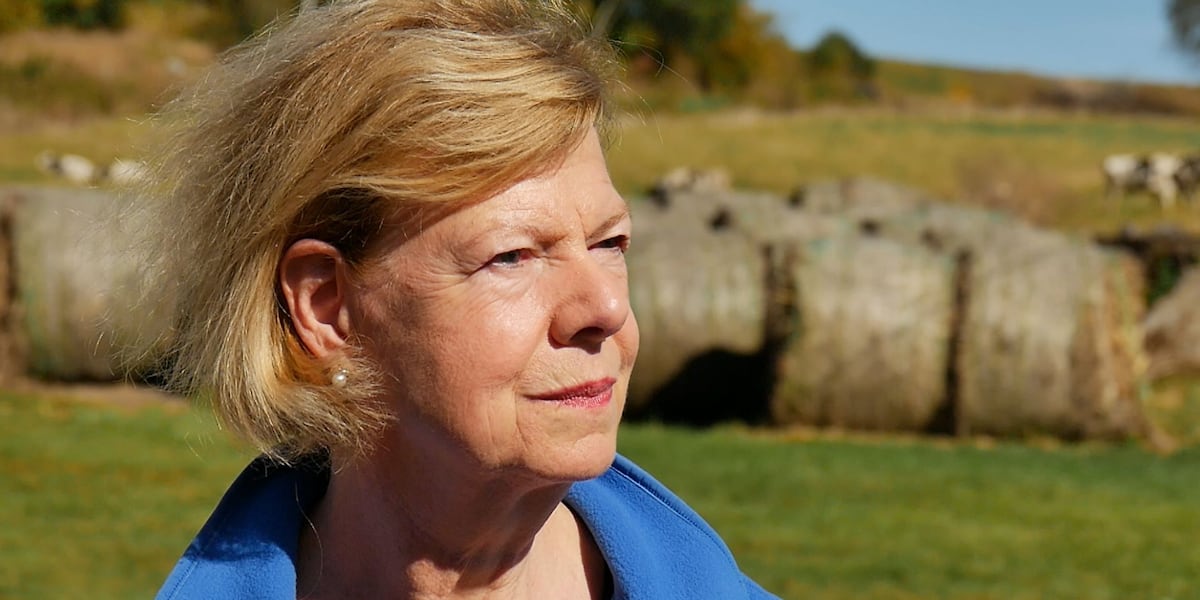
1125 40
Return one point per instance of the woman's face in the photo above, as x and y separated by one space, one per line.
504 329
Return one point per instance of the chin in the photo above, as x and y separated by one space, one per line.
586 458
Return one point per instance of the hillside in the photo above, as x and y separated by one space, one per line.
49 76
907 84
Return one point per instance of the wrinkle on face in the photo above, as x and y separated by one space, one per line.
469 342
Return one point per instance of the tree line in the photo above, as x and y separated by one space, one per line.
720 50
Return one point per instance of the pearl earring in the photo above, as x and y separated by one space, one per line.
340 377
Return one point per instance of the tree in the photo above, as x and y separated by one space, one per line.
84 14
839 70
1184 16
677 30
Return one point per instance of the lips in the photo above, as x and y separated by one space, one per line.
591 394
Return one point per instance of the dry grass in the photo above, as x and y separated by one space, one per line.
1043 166
100 140
67 75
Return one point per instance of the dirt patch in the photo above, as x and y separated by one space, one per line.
127 395
109 56
69 75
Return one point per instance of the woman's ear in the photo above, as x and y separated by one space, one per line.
312 277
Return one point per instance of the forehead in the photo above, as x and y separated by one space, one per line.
578 189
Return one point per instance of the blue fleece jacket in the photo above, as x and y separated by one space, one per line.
655 546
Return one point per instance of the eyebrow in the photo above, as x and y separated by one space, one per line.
532 231
612 221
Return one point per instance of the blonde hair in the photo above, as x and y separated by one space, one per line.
335 121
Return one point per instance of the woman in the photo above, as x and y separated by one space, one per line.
400 265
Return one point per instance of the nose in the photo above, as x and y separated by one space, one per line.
593 304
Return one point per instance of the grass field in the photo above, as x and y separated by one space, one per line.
1043 166
98 500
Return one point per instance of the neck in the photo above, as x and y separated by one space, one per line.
396 526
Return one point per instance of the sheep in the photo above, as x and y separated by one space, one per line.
686 179
1187 176
1124 173
72 167
124 172
1161 181
1154 174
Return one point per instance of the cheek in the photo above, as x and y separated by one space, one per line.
494 339
628 340
467 343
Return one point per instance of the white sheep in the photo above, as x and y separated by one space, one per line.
72 167
689 180
1187 176
123 171
1124 173
1155 174
1161 181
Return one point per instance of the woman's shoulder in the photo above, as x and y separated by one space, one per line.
247 547
655 544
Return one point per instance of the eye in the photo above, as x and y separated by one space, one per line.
510 258
617 242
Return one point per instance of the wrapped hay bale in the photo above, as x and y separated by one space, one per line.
869 348
857 198
1109 361
714 210
699 298
76 285
949 228
758 215
1173 329
910 314
1049 341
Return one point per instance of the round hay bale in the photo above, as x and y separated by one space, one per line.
1109 360
949 228
1172 329
77 285
1049 342
857 198
1049 339
761 216
715 210
697 295
869 349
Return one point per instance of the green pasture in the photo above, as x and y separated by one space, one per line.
98 499
1041 165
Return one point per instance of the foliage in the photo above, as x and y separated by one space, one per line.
235 20
1184 18
839 70
685 30
84 14
717 46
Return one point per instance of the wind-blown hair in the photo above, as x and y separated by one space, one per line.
335 121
